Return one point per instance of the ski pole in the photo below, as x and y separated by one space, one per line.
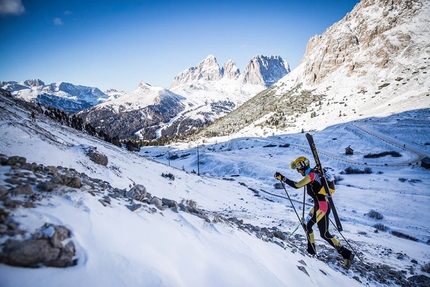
304 228
295 229
303 215
304 199
289 198
350 246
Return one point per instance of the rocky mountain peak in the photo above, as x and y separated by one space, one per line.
144 86
368 36
261 70
210 60
230 70
34 83
207 70
265 70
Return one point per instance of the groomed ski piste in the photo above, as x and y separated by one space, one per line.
233 184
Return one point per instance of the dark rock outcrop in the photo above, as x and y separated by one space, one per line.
47 247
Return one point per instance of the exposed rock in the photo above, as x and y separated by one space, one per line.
14 181
13 160
98 157
419 280
359 34
56 180
3 215
73 182
28 253
29 166
207 70
171 204
189 209
262 70
47 186
3 159
44 248
135 207
303 269
51 170
34 83
9 203
55 233
23 189
3 228
137 192
157 202
230 70
147 107
279 235
3 190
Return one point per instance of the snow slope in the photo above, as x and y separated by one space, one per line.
118 247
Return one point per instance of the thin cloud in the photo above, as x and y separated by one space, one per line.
58 21
11 7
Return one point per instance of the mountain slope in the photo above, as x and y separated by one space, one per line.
147 246
237 232
139 111
375 61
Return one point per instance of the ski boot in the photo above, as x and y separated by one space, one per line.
347 255
348 261
311 249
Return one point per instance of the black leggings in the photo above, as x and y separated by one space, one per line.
323 225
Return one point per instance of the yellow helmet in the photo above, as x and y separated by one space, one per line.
300 163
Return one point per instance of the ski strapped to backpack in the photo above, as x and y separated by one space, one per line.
324 180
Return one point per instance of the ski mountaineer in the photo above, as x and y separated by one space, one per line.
315 189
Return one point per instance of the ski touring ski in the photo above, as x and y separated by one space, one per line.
323 179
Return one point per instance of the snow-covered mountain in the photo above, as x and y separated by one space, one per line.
61 95
197 97
260 70
375 61
139 111
114 94
206 70
265 70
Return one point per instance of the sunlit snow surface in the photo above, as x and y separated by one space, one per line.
118 247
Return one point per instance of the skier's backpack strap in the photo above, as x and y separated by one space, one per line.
330 182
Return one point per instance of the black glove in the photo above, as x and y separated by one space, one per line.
279 176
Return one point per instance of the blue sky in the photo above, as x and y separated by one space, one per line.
117 44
